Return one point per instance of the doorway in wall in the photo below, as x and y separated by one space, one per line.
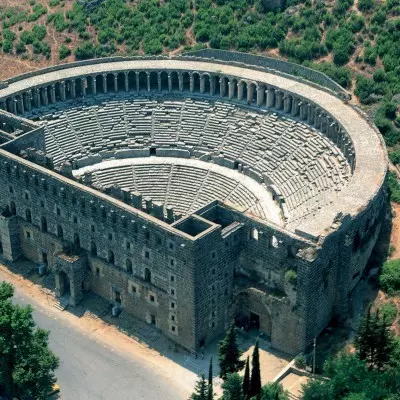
254 320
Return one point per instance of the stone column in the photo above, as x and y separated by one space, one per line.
36 97
159 81
260 95
126 82
20 104
45 97
231 91
73 88
28 100
148 81
270 98
295 106
311 114
83 86
304 111
222 87
202 84
116 83
94 86
240 91
212 85
279 100
287 103
318 118
180 80
53 93
63 94
250 93
13 105
137 81
191 83
104 83
169 83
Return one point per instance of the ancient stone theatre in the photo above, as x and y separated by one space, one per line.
192 190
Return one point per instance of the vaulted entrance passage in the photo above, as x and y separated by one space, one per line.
252 311
65 287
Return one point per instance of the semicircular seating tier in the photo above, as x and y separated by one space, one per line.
306 167
184 184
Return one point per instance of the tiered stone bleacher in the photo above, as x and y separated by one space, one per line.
185 188
306 167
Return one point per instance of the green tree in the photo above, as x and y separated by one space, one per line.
255 380
210 393
273 391
229 353
26 363
232 387
200 391
246 379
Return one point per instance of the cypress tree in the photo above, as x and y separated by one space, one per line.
384 342
229 353
362 340
210 393
255 380
246 380
200 390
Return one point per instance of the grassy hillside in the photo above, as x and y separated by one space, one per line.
356 43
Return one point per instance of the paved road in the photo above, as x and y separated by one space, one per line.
88 370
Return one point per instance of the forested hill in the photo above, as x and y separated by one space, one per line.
357 43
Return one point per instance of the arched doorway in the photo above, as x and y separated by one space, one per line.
64 285
252 311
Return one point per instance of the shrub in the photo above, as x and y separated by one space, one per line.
39 31
365 5
300 361
63 52
291 276
390 277
389 312
20 47
85 51
54 3
7 46
395 156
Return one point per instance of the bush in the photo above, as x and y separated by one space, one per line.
390 277
365 5
365 87
341 75
291 276
394 187
389 312
39 31
63 52
85 51
300 361
20 48
395 156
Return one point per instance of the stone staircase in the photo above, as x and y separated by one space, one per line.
61 303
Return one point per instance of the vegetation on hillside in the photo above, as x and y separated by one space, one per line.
349 42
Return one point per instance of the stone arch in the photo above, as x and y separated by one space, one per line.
121 81
147 275
164 81
64 284
99 84
186 81
110 82
142 81
60 232
251 308
196 82
251 92
89 85
93 248
224 87
77 241
206 83
28 215
128 265
132 80
242 90
174 81
111 257
154 81
43 224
